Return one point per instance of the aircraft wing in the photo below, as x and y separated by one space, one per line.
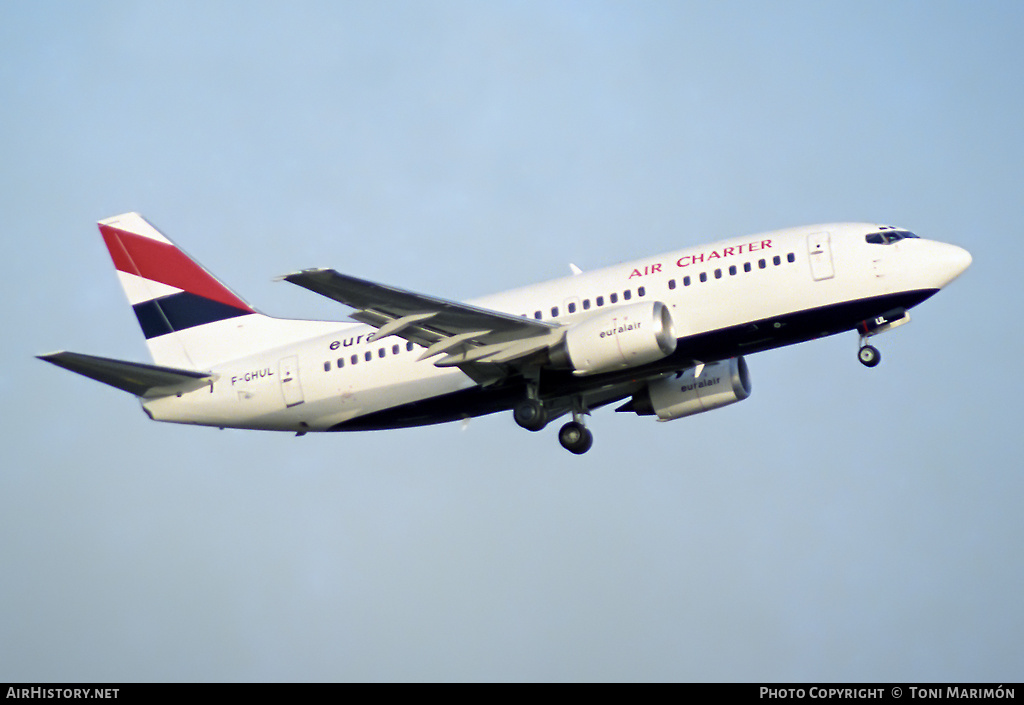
140 379
464 334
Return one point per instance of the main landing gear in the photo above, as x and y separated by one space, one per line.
574 436
530 414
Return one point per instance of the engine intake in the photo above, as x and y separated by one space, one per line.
622 337
683 394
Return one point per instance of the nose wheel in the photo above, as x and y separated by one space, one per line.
869 356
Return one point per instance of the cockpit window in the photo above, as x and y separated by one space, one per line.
887 237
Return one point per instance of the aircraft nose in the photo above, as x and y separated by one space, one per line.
961 260
955 260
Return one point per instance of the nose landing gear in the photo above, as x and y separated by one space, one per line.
868 355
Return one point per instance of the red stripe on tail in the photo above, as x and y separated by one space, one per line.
165 263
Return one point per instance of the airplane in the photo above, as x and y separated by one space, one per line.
667 334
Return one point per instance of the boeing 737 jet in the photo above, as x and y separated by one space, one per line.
665 335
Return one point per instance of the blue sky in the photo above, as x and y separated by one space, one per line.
841 524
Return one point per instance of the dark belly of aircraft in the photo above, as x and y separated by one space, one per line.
715 345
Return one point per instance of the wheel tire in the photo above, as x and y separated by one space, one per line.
575 438
869 356
530 414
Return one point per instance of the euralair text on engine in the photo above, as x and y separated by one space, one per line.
621 338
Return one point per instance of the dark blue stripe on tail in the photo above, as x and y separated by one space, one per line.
179 312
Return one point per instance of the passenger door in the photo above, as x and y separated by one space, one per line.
291 388
819 250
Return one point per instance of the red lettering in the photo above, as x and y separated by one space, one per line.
727 252
765 244
651 269
714 255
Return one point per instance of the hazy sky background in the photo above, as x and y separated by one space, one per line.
841 524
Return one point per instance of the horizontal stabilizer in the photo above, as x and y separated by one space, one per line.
140 379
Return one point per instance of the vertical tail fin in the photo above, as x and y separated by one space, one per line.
189 318
170 293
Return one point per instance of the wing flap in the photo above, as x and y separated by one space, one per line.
139 379
396 325
499 354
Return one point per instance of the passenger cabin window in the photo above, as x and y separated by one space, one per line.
554 312
613 298
536 314
572 307
641 291
600 301
627 295
586 304
791 257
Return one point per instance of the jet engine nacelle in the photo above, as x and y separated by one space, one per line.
683 394
622 337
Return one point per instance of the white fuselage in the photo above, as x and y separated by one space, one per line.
335 376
